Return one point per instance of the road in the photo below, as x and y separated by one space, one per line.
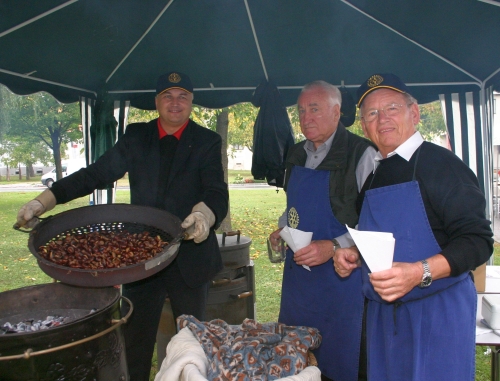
38 187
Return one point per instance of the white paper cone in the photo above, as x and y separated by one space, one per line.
377 248
296 239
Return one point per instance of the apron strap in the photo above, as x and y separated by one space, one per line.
416 161
414 169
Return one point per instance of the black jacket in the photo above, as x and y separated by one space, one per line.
196 175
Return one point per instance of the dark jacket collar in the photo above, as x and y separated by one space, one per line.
336 157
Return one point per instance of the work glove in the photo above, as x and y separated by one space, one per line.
199 222
45 201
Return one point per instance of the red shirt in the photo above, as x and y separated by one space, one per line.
177 134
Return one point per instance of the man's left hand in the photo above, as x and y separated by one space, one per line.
397 281
317 253
199 222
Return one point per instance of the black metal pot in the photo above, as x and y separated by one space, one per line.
90 346
234 249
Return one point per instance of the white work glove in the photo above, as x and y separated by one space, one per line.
44 202
199 222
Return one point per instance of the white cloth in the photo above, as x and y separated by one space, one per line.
186 361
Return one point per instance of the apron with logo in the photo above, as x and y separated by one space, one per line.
320 298
429 334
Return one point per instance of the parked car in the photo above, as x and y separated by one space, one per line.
67 169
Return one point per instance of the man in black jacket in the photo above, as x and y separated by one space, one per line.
173 164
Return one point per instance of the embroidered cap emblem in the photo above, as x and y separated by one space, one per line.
174 78
293 218
374 80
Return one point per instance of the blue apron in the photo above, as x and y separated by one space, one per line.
429 334
320 298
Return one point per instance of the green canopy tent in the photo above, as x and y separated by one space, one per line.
74 49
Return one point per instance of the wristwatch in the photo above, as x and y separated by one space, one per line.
336 245
426 277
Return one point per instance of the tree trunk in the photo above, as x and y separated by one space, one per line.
20 172
221 128
31 170
56 150
7 175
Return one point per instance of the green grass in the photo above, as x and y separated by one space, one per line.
253 212
14 179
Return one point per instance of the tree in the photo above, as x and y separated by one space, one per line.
136 115
6 149
28 154
431 124
37 118
241 121
222 125
5 97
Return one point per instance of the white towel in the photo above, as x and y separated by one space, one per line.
185 359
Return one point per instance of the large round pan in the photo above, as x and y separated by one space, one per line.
113 217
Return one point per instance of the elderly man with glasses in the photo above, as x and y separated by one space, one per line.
421 313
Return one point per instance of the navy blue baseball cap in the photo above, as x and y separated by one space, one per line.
173 80
380 81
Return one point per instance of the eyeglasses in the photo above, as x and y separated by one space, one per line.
390 110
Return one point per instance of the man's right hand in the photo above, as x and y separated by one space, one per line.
275 240
44 202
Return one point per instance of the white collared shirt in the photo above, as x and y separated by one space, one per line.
316 155
405 150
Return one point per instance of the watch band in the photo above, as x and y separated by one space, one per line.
336 245
426 276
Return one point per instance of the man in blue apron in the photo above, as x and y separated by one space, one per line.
421 313
323 176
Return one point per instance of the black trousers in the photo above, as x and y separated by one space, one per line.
147 297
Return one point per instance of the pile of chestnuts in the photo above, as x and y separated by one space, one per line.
102 249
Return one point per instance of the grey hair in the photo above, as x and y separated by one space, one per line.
333 91
410 99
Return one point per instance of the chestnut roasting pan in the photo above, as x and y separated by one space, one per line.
109 217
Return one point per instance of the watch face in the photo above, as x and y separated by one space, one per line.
426 281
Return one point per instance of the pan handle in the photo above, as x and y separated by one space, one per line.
116 323
220 282
21 229
229 234
243 295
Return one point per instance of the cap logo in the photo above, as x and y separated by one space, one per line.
174 78
374 80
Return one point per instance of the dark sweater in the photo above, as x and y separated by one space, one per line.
453 201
